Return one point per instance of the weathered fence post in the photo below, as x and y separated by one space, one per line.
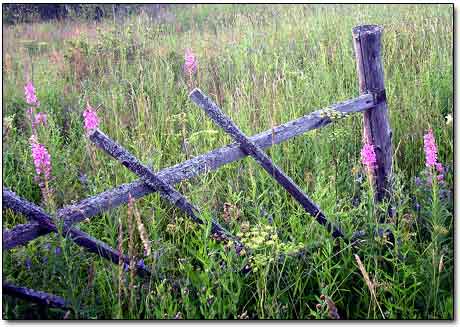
376 125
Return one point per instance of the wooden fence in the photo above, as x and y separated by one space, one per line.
376 130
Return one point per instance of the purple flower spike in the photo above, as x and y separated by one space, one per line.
31 98
91 119
40 118
42 159
439 167
368 155
191 63
57 251
431 151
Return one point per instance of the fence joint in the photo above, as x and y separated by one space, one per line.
378 96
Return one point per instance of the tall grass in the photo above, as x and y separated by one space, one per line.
264 65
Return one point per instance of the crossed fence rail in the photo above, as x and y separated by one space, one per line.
376 131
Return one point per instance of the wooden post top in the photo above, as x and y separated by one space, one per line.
366 29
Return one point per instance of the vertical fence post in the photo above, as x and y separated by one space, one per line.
376 125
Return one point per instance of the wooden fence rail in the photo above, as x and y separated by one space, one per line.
32 211
188 169
35 296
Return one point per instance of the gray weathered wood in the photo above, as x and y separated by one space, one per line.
222 120
35 296
152 180
367 44
22 234
207 162
204 163
19 234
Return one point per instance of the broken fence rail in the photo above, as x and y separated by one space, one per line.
204 163
14 236
223 121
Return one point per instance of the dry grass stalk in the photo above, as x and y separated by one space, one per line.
441 264
131 253
369 283
142 232
7 64
120 260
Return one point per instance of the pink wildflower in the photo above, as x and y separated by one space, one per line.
191 62
91 119
368 155
42 159
431 152
440 170
31 98
40 118
439 167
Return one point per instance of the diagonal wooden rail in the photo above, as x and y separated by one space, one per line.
250 148
152 180
201 164
21 234
46 224
35 296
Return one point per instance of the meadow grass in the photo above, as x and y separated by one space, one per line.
264 65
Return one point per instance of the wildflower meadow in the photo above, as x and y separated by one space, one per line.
129 78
